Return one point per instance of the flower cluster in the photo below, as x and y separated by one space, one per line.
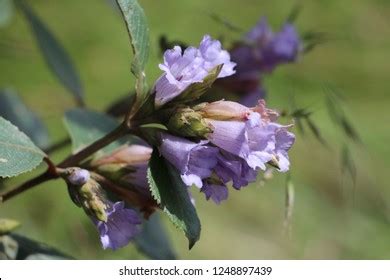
229 142
260 52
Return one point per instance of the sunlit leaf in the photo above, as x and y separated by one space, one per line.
13 109
153 240
8 225
55 55
171 194
18 154
138 30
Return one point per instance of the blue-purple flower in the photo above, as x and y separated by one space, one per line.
121 227
260 51
194 161
182 69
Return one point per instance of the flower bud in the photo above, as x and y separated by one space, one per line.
223 110
127 155
93 199
186 122
78 176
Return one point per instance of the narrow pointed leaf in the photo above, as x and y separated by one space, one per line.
13 109
55 55
153 240
172 195
138 29
18 154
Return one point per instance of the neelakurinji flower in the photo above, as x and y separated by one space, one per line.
182 69
260 52
116 225
120 227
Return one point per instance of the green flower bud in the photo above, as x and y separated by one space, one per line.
189 123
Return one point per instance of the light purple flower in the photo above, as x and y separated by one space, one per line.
213 55
265 49
216 192
182 69
194 161
255 140
121 227
260 52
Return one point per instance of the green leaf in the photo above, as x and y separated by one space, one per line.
13 109
16 247
55 55
6 12
196 90
172 195
153 240
138 30
85 127
18 154
7 225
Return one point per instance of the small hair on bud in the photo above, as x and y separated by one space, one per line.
78 176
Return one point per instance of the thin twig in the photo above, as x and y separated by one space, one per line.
72 160
27 185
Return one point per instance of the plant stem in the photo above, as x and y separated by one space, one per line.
94 147
27 185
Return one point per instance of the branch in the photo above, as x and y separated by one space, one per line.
27 185
94 147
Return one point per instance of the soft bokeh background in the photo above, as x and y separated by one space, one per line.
333 219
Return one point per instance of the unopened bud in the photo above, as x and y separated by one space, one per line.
223 110
127 155
186 122
94 200
78 176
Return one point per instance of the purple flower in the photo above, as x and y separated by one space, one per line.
213 55
182 69
216 192
121 227
255 140
265 50
260 52
194 161
79 177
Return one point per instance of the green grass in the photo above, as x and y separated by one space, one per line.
332 218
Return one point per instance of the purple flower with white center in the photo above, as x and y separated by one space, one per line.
121 227
182 69
194 161
216 192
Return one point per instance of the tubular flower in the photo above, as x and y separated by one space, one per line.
182 69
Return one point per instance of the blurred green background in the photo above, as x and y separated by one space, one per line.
332 219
